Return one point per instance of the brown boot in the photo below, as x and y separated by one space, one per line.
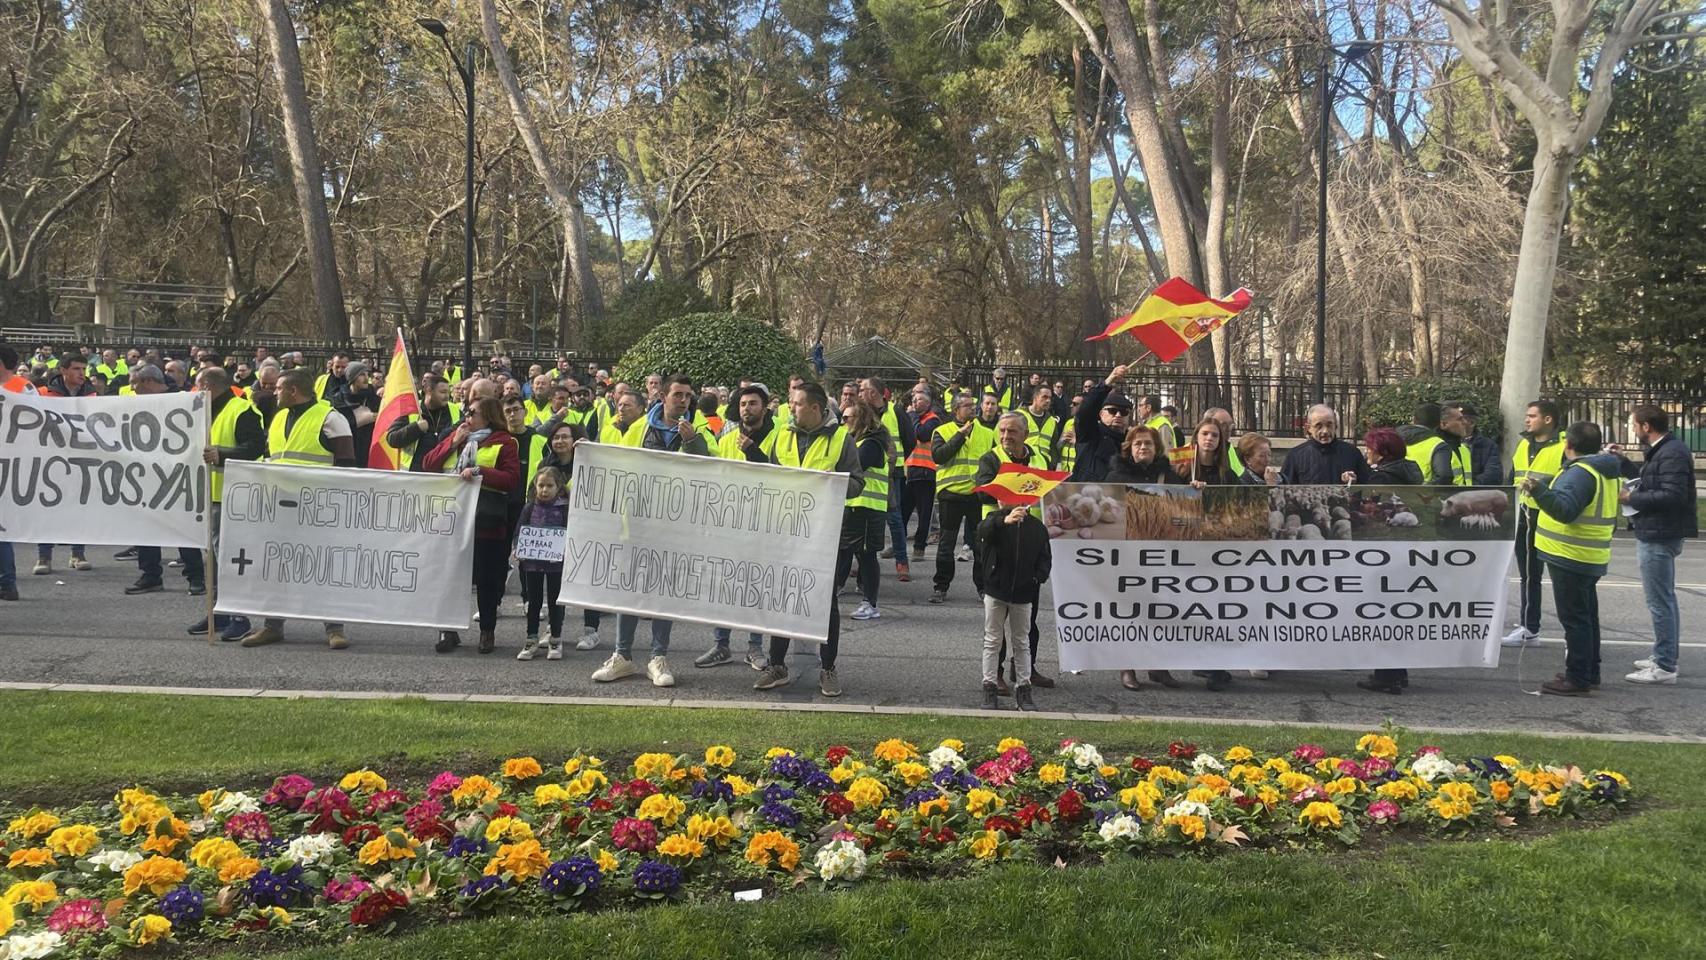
1164 678
1128 679
488 641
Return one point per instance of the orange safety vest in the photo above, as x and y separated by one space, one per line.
920 456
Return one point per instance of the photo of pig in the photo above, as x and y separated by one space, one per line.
1431 513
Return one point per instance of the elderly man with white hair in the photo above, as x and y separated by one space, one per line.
1324 458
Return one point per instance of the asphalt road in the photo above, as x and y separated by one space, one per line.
80 628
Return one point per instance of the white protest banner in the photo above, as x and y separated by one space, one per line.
358 546
104 470
1278 578
540 543
747 546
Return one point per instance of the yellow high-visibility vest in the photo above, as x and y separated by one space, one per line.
1542 463
223 433
1421 453
1587 539
956 475
1041 437
302 443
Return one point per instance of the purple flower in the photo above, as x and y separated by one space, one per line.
1096 790
817 781
466 846
483 885
183 906
713 790
776 793
654 877
916 797
779 814
565 877
281 889
271 847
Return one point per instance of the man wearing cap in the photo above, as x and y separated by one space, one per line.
357 398
1099 428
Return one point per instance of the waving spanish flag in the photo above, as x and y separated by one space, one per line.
1179 456
399 402
1175 316
1016 485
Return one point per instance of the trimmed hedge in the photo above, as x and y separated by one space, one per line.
642 308
715 348
1394 405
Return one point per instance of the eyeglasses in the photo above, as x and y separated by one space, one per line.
1116 411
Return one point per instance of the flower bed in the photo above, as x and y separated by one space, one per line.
326 860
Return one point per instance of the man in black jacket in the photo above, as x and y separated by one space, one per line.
1324 458
416 434
1662 497
1013 551
1486 463
1100 426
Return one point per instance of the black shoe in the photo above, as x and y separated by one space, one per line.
128 553
235 631
1022 696
1378 686
198 588
488 641
938 596
990 699
199 627
1165 678
448 640
8 593
1217 680
144 585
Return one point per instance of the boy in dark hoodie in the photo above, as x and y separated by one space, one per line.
1573 536
1013 551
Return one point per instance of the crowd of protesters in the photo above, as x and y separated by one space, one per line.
915 456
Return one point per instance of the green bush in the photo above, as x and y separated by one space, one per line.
715 348
1395 404
642 308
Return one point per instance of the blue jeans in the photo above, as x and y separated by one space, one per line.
1658 582
627 624
754 641
1575 595
44 551
8 565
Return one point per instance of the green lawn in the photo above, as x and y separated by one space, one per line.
1628 889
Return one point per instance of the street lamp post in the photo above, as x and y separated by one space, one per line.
466 69
1325 81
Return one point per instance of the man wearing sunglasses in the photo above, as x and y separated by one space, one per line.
1100 425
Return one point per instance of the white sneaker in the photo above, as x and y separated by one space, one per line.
867 612
554 650
658 670
529 649
963 554
1257 674
1520 637
615 668
1645 663
1652 674
588 640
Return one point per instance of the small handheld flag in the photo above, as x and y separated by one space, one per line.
400 401
1176 316
1016 485
1182 455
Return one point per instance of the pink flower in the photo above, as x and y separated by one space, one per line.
343 891
442 784
385 800
287 791
1308 753
75 917
995 773
332 807
1350 768
1307 794
1383 811
1427 750
248 826
639 836
1017 759
1374 767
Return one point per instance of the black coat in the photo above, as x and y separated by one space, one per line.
1664 499
1014 557
1398 473
1311 462
1097 445
1125 470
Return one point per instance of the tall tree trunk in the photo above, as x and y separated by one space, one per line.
1536 269
1219 175
306 172
577 256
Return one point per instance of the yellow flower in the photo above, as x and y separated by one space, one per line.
508 828
981 802
1327 765
1449 809
1190 826
1500 790
586 784
773 846
364 780
1398 790
739 785
1164 772
1552 799
210 853
1267 796
1378 745
551 795
607 861
720 830
74 841
33 825
841 773
143 813
158 874
523 861
1320 815
163 844
149 928
238 869
1108 770
574 764
522 768
913 773
867 793
30 857
8 918
1512 762
986 844
720 756
1200 795
775 752
649 766
475 791
36 893
1459 792
1622 781
1009 743
1293 782
958 746
894 751
681 845
1239 754
1141 798
394 845
1277 765
1051 773
933 806
1350 785
661 807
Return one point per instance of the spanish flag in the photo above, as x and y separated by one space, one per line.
1016 485
399 402
1179 456
1175 316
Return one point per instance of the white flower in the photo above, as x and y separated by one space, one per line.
233 803
841 860
945 757
1431 766
1189 808
1121 827
118 861
313 848
21 946
1085 756
1205 763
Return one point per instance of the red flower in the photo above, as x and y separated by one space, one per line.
835 755
1142 765
883 825
1070 807
937 837
508 809
837 805
377 907
1244 803
424 830
383 801
639 836
1017 759
249 826
600 805
1181 751
361 833
1005 824
573 824
1032 813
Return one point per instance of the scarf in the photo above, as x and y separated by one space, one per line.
471 450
